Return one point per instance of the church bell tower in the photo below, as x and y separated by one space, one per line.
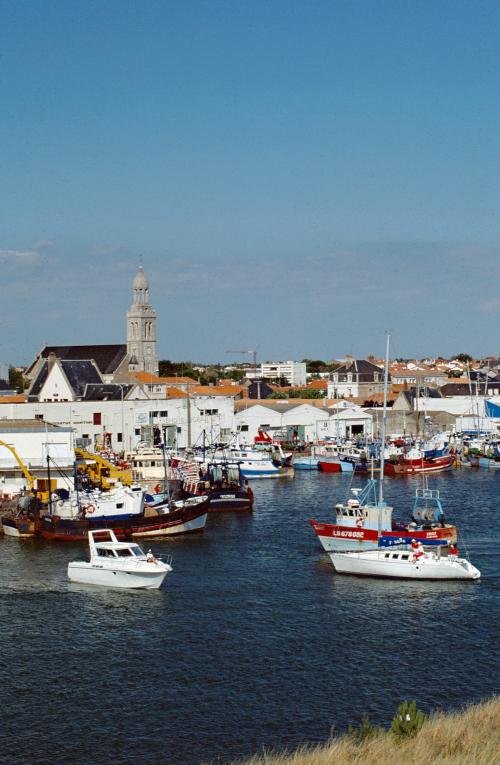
141 328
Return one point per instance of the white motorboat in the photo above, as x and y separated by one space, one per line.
404 564
118 564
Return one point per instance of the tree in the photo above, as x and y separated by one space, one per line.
16 380
463 357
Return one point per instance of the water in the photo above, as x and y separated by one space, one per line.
253 642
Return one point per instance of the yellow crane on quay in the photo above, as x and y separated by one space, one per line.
101 472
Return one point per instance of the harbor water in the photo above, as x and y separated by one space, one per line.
252 643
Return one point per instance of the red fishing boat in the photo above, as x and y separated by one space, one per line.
365 523
329 466
406 466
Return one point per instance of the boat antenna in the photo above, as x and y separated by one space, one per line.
384 417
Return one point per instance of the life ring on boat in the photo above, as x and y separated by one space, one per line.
360 523
89 509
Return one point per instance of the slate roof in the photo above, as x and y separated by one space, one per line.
78 373
464 389
362 371
106 392
452 389
38 382
107 357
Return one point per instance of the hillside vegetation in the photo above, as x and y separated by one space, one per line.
469 737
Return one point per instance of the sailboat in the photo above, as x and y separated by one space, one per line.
402 564
365 521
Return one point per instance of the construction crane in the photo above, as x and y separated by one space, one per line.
254 354
38 486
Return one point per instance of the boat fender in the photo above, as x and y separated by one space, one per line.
89 509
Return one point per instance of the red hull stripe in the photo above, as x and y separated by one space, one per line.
371 535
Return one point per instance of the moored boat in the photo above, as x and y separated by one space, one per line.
364 522
304 462
329 466
403 466
169 518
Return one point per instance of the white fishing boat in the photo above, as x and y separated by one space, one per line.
118 564
404 564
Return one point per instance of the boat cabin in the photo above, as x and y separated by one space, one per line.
369 516
118 550
401 556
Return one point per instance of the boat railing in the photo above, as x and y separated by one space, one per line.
427 494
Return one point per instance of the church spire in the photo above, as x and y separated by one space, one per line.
141 328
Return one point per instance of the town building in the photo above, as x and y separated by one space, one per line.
308 420
356 378
294 372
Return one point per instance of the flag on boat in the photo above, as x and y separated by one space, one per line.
189 474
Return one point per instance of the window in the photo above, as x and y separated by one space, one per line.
119 437
38 416
209 411
96 418
86 435
179 429
163 414
244 428
119 505
137 431
405 557
387 555
125 553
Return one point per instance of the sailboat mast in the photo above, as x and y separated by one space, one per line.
384 417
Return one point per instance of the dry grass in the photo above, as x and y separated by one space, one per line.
470 737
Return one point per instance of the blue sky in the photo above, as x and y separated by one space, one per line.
298 176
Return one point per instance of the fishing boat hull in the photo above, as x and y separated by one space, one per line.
329 466
192 525
19 527
229 501
488 463
306 463
413 467
264 469
81 572
337 538
187 520
402 566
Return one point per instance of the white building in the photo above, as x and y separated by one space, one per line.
122 424
33 441
293 371
310 423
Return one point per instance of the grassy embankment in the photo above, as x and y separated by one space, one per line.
469 737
